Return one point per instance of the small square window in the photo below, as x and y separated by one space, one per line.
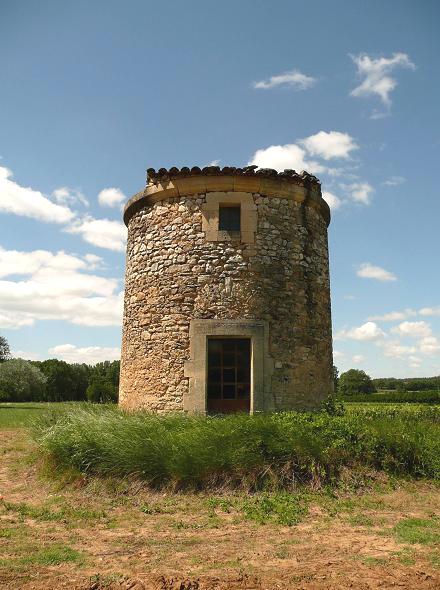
229 218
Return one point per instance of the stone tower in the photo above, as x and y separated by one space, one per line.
227 300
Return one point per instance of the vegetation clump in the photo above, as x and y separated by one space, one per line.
20 381
262 451
415 397
5 351
355 381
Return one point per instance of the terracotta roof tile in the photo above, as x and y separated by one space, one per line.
303 179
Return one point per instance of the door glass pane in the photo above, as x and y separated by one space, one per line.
229 358
215 374
228 391
214 352
229 375
243 390
229 372
214 390
242 373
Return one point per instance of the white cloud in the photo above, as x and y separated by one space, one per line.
14 262
394 349
103 233
430 311
213 163
88 354
393 316
376 115
414 362
338 355
13 322
426 344
412 329
332 200
429 345
324 145
394 181
367 332
281 157
24 354
66 195
111 197
369 271
358 358
57 287
333 144
359 192
94 261
27 202
294 79
375 75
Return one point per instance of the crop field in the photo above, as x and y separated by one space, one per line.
91 498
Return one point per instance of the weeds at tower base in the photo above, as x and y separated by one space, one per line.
251 452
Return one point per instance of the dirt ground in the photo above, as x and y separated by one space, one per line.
90 535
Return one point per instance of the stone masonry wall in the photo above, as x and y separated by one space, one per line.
174 275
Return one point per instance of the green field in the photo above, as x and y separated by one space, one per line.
16 415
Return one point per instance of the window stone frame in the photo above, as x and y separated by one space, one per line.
262 365
248 217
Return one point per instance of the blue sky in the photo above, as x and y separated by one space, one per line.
93 93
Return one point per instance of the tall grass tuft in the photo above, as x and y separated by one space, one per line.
262 451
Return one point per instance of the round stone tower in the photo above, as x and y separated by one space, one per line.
227 295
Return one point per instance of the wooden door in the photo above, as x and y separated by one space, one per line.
229 375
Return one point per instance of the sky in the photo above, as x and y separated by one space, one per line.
94 93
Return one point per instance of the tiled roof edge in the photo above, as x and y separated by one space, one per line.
303 179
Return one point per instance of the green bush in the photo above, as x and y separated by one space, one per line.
4 397
21 381
419 397
255 452
102 392
354 382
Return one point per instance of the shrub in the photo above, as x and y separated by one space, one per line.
355 381
254 452
102 392
419 397
4 397
333 405
21 381
5 352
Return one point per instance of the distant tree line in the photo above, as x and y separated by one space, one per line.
410 384
56 381
355 381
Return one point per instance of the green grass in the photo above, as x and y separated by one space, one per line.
282 508
6 533
48 513
263 451
277 507
16 415
434 558
361 520
418 530
54 554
